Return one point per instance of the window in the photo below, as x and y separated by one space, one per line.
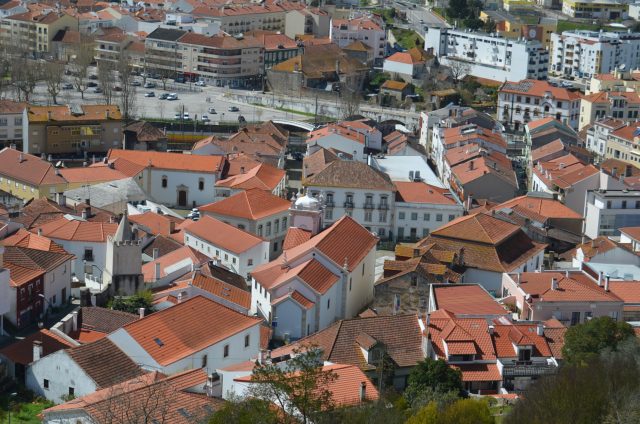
204 362
260 230
226 257
247 340
414 216
233 260
72 391
524 354
46 383
284 224
276 226
575 318
350 281
383 217
426 217
381 232
201 184
268 232
275 246
425 232
164 181
362 269
328 303
452 217
439 217
368 216
88 254
226 351
400 215
328 214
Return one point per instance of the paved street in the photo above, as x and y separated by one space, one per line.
420 17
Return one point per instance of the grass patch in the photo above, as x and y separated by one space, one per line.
407 39
26 412
499 412
388 15
573 26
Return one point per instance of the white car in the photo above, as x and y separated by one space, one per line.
186 116
172 96
212 111
205 118
200 84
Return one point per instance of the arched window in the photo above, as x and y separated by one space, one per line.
201 184
164 181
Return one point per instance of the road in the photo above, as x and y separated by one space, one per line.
420 17
195 100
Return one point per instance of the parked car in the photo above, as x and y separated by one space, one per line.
212 111
93 77
186 116
234 109
163 96
136 83
97 90
205 118
92 84
201 84
117 88
194 214
150 94
172 96
179 79
177 116
150 85
67 86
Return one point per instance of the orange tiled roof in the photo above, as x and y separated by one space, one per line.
479 372
538 88
222 290
172 258
26 168
480 227
577 287
630 97
78 230
21 351
628 291
24 238
539 208
223 235
632 232
444 329
263 176
466 299
249 204
564 171
91 174
155 223
540 123
420 192
295 236
394 85
186 328
506 336
548 149
174 161
64 113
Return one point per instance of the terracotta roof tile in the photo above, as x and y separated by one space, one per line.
91 174
104 320
78 230
479 372
628 291
466 299
296 296
64 113
21 351
394 85
351 174
186 328
539 208
632 232
538 88
295 237
317 161
548 149
174 161
26 168
224 235
165 245
263 177
180 255
479 227
505 337
420 192
24 238
223 290
577 287
156 224
250 204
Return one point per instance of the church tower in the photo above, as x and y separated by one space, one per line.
306 213
123 267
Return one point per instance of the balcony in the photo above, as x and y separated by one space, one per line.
383 206
348 205
329 204
527 370
368 205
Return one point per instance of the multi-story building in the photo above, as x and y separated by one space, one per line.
616 80
162 54
606 211
72 129
581 54
309 21
598 136
595 9
369 30
488 56
114 45
34 31
622 105
11 114
528 100
28 177
513 27
623 143
358 190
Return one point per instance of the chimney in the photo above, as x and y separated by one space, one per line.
155 253
491 330
179 297
540 329
363 391
156 271
49 115
172 227
242 169
93 159
39 231
566 273
600 278
606 282
74 319
85 213
518 278
37 350
21 157
554 283
469 202
470 165
141 312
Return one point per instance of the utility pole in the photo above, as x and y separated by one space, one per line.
315 116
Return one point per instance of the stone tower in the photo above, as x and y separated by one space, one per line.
123 266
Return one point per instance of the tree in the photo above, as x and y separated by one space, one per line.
489 26
127 97
53 75
462 411
80 65
435 375
458 9
245 411
350 102
106 79
131 304
299 387
584 341
458 69
25 74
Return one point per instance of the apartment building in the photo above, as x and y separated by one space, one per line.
598 136
606 211
162 53
514 27
527 100
581 54
622 105
11 123
34 31
595 9
369 30
622 143
489 56
113 45
309 21
72 129
616 80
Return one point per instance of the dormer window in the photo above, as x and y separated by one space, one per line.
524 354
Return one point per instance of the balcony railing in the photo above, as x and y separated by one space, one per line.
368 205
383 206
329 204
528 370
348 205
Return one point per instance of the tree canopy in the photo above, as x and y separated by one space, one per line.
131 304
584 341
434 376
462 411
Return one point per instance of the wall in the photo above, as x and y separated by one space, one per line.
62 373
430 211
76 248
339 142
290 316
489 280
55 282
490 187
181 179
359 285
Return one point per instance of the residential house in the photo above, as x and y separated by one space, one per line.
196 333
64 45
540 132
37 212
80 371
262 177
631 235
421 208
522 101
34 30
622 144
484 176
597 136
72 129
182 399
360 51
174 265
465 301
175 179
620 174
11 113
307 21
88 324
623 105
629 292
28 177
603 250
369 30
161 51
236 249
357 190
339 139
407 65
5 291
12 7
348 340
277 47
323 279
505 247
572 297
142 135
395 89
606 211
616 80
257 212
549 151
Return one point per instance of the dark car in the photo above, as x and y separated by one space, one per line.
67 86
92 84
179 79
93 77
163 96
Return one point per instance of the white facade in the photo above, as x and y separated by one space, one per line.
334 140
414 221
10 127
85 250
583 54
242 263
5 293
368 31
62 373
489 56
164 186
400 68
406 168
608 211
57 285
237 352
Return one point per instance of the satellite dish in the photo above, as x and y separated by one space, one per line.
622 67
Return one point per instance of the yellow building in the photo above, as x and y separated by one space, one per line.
597 9
510 26
615 81
622 105
35 30
27 177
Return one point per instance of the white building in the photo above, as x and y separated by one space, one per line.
79 371
520 102
606 211
176 180
421 208
345 142
196 333
489 56
406 168
583 54
631 235
369 30
598 135
257 212
357 190
4 292
326 278
10 121
236 249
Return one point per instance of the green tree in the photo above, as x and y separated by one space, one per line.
245 411
462 411
131 304
458 9
299 387
435 375
585 341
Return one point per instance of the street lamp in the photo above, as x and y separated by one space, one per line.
12 395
